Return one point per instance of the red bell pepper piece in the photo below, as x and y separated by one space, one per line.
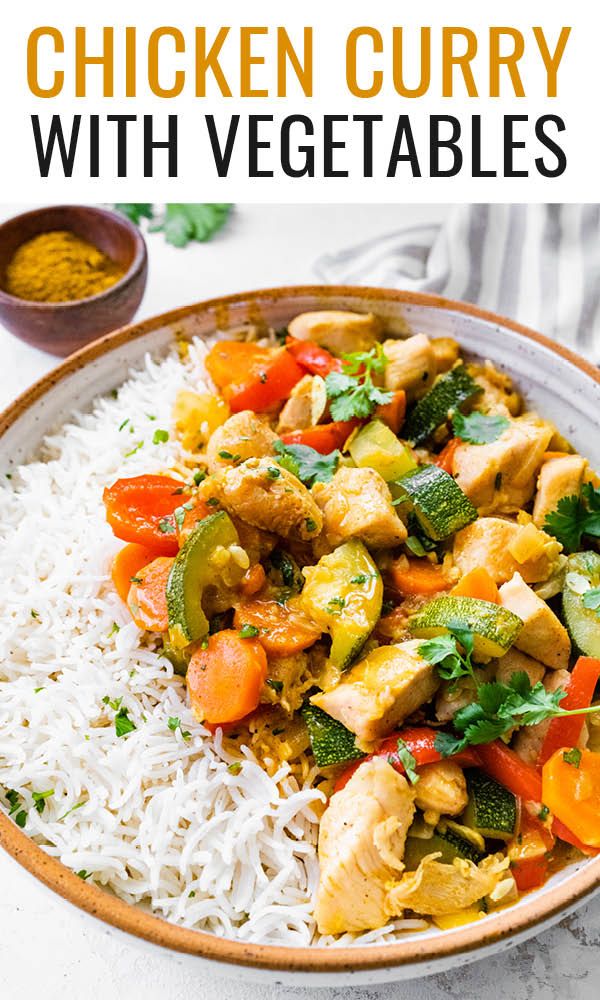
324 438
565 732
530 874
524 781
445 459
252 377
420 741
141 510
313 358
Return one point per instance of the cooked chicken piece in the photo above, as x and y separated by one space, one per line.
296 414
437 889
488 542
380 691
445 353
267 496
515 662
411 365
258 544
542 635
559 477
441 788
500 477
361 845
529 739
340 332
453 695
498 396
357 503
242 436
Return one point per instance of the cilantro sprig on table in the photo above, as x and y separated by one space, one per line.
352 391
574 517
479 428
498 707
180 222
307 464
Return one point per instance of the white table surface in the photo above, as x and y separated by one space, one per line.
46 949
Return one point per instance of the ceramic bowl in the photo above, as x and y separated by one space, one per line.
558 384
63 327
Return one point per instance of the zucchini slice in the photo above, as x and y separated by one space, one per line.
491 810
191 572
449 843
583 624
331 742
343 594
439 504
494 628
450 390
375 446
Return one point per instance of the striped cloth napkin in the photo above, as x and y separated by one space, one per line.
537 264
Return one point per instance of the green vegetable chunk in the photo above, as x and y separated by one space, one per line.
375 446
347 611
582 578
448 393
449 843
494 628
492 809
331 742
439 504
191 572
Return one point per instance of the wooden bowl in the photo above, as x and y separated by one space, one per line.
555 382
63 327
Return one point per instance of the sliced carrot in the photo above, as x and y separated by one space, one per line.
147 598
478 583
392 413
253 580
419 577
224 680
283 628
193 511
445 459
126 565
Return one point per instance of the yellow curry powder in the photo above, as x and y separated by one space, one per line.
60 267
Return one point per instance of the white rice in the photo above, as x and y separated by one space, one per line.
157 819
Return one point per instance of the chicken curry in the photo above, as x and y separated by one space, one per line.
374 562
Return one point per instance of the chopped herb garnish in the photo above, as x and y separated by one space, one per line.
225 454
136 447
591 599
166 526
160 436
14 800
278 732
276 686
479 428
543 813
213 501
444 653
39 799
249 632
235 768
115 628
309 465
135 579
199 476
408 761
77 805
575 517
335 606
352 391
83 874
191 893
273 473
361 578
572 756
123 724
174 724
310 524
124 424
34 613
37 690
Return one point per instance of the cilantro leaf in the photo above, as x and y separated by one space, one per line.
352 391
183 222
444 653
572 757
448 745
575 517
39 799
135 211
123 724
408 761
306 463
479 428
591 599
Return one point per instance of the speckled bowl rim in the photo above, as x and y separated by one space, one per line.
533 912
